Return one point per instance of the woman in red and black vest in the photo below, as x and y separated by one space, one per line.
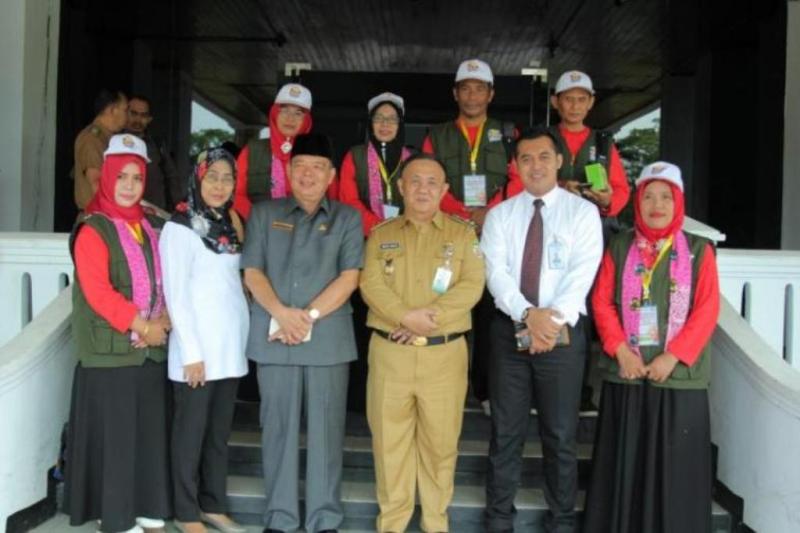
117 451
368 178
656 303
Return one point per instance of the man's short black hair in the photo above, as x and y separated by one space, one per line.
106 98
143 98
422 156
534 133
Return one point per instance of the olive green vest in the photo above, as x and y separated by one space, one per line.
683 377
453 150
259 170
359 155
596 149
100 345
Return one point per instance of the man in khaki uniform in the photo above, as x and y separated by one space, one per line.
111 113
423 273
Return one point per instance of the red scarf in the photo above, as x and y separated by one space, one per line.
649 240
276 138
103 200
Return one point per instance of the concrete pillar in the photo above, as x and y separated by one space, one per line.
790 221
29 33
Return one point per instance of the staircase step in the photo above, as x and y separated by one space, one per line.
246 502
244 455
476 425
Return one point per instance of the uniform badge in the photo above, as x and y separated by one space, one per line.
390 245
127 141
476 248
286 147
494 135
323 227
294 91
448 250
388 267
593 153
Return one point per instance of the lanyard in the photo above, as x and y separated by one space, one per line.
647 275
473 154
387 178
136 231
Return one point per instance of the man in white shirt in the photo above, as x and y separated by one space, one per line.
542 250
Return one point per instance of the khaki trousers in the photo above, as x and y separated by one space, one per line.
415 407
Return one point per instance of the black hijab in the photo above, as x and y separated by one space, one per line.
395 146
212 224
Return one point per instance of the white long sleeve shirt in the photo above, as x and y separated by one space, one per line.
206 305
573 247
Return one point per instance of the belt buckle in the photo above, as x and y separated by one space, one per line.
420 341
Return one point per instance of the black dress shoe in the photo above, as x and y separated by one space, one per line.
268 530
328 531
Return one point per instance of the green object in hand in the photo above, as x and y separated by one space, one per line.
596 176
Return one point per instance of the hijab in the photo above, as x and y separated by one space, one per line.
214 225
277 139
394 148
103 201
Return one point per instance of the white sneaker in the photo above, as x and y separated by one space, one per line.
149 523
487 408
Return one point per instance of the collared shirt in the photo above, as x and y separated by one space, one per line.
301 254
400 264
90 144
573 246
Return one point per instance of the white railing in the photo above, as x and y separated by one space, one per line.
763 287
34 267
36 370
755 422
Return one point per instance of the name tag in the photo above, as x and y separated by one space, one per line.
474 190
285 226
390 211
648 325
441 281
555 256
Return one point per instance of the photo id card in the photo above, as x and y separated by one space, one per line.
441 281
474 190
555 255
648 325
390 211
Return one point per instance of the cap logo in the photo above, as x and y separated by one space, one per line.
294 91
127 141
575 77
658 169
473 66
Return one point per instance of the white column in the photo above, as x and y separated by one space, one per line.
28 87
790 236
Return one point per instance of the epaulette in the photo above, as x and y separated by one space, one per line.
383 223
456 218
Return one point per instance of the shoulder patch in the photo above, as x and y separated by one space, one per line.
384 223
456 218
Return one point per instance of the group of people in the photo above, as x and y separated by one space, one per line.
490 256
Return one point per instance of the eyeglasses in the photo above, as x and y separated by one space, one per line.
215 179
385 119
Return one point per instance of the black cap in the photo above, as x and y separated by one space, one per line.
313 144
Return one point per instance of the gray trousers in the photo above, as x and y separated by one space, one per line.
288 392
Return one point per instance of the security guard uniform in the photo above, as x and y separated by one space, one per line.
90 144
416 393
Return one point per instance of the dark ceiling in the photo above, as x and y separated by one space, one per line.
238 48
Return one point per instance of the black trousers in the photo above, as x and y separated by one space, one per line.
554 381
199 449
480 346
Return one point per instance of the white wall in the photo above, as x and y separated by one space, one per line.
755 421
790 236
29 63
36 370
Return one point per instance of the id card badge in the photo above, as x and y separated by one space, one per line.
648 325
474 190
441 281
390 211
555 255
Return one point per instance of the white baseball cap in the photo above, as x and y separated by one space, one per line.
294 94
574 79
474 69
126 143
661 170
382 98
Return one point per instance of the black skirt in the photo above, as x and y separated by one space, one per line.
652 462
118 446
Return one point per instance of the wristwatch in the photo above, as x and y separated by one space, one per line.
313 313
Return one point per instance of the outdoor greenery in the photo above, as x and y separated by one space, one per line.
207 138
